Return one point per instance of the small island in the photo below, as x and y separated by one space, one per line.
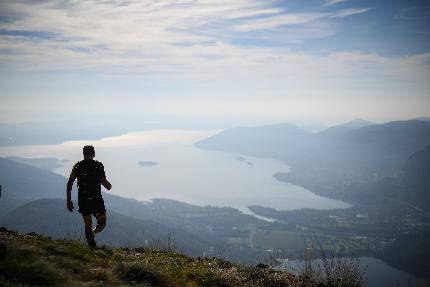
242 159
146 163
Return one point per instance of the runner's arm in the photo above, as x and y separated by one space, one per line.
106 183
103 179
69 188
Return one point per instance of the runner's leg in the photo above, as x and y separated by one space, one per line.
101 223
88 221
89 235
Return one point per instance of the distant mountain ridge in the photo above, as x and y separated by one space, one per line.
345 127
336 159
355 124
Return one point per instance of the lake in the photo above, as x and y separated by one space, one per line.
378 273
166 164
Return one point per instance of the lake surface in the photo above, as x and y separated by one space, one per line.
180 171
378 273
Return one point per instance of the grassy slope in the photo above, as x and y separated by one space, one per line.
37 260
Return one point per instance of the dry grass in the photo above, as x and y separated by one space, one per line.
36 260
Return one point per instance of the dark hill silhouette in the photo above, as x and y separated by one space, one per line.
403 137
22 183
411 184
416 170
416 180
48 216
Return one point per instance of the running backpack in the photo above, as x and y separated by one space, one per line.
89 176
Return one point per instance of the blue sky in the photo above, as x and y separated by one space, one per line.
242 61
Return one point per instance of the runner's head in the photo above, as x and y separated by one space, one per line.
89 151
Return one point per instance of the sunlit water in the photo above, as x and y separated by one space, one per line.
184 172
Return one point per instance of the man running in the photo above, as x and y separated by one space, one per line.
90 174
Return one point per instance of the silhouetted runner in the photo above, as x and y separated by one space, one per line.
91 175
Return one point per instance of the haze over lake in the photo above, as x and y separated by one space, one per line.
183 172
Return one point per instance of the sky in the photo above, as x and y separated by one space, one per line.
235 62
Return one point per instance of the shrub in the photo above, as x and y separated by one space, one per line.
333 271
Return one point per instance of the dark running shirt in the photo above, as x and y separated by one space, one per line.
89 173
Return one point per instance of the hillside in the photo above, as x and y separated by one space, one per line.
22 183
336 162
35 260
49 217
415 178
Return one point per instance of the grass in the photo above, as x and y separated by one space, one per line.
39 261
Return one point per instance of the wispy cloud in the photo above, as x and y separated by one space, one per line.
350 12
91 34
154 35
280 20
333 2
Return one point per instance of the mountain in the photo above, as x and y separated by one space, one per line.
352 124
335 162
357 123
405 137
345 127
423 119
22 183
378 149
49 217
416 180
276 141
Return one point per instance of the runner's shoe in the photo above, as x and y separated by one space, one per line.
90 240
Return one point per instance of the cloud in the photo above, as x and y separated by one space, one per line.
280 20
333 2
157 36
152 35
349 12
142 35
190 53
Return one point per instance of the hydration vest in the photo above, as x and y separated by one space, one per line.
89 173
